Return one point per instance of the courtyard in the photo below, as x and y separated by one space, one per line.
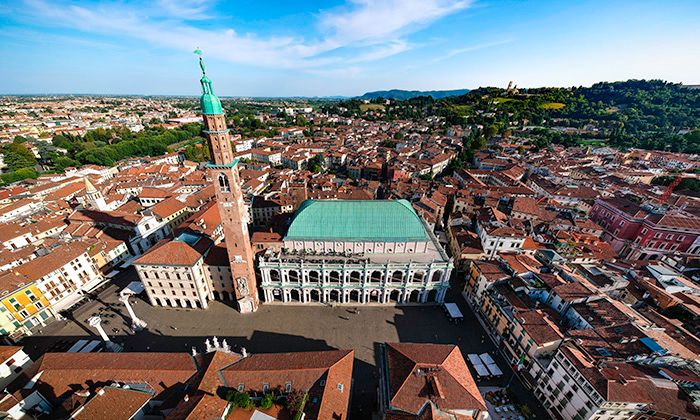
277 328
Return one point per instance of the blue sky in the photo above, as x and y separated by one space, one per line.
288 48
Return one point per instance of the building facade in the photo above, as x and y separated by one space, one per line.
347 251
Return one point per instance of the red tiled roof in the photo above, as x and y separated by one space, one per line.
170 252
422 373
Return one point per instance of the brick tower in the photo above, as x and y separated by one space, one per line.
223 171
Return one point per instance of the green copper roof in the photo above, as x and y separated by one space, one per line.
209 102
356 220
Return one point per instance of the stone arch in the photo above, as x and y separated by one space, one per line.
334 295
314 276
157 301
216 295
414 296
419 276
432 295
355 277
374 296
295 295
224 185
275 275
395 296
355 296
376 277
293 276
196 304
397 276
334 277
315 295
436 276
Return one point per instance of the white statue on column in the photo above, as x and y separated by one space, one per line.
208 345
225 347
96 322
244 353
137 324
194 351
216 343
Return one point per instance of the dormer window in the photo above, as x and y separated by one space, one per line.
266 387
241 387
288 387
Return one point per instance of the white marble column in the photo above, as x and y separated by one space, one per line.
137 324
96 322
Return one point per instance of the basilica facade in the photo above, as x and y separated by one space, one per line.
356 252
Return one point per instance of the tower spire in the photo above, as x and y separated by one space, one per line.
210 103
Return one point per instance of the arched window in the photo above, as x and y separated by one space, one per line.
223 183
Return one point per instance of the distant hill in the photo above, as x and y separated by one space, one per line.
408 94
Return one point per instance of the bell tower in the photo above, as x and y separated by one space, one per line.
223 171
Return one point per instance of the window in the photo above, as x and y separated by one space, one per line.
223 183
265 387
241 387
288 387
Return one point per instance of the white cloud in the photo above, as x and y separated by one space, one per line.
185 9
376 20
366 30
471 48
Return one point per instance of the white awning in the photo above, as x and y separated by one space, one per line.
453 311
134 288
486 359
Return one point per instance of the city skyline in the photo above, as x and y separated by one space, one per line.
341 48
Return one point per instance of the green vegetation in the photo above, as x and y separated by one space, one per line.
17 156
688 184
317 163
553 105
645 114
106 147
99 147
266 401
371 107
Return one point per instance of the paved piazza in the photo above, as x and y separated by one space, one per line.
273 328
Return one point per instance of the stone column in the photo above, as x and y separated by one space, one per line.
96 322
137 324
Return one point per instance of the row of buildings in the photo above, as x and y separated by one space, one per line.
416 381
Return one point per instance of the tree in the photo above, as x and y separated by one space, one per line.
20 139
17 156
240 399
266 401
490 131
317 163
19 175
300 120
